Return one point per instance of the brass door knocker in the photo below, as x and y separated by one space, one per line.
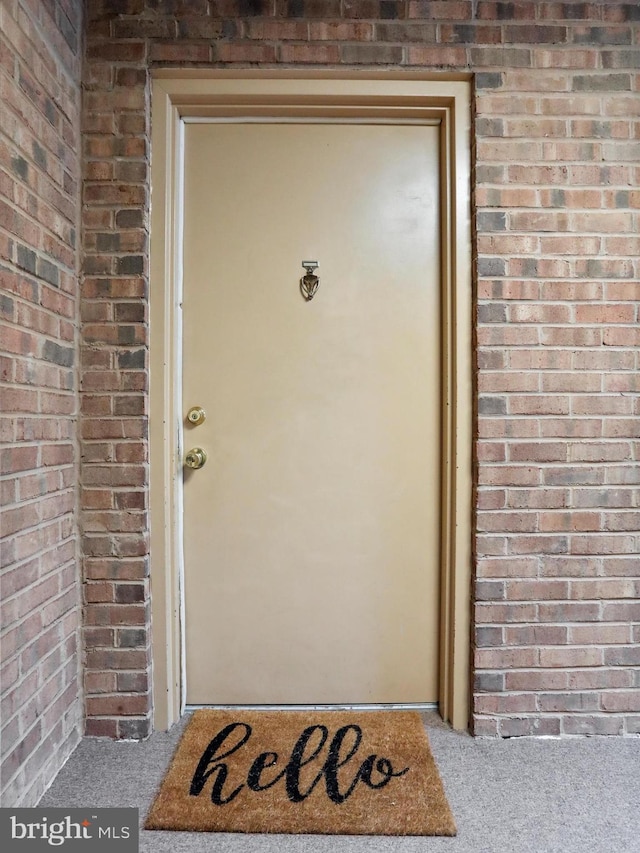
309 282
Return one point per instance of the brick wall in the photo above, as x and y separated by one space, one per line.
41 707
557 143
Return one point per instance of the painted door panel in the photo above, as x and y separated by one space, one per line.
311 535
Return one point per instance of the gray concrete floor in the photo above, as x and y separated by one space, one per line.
579 795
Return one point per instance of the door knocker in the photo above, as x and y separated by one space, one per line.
309 282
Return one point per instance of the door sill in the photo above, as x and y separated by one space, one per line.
383 706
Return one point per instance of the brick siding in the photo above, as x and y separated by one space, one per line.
41 710
557 146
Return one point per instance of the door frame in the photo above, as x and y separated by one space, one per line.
178 95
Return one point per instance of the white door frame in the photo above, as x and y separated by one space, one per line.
239 95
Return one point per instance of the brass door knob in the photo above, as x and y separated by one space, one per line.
195 458
196 415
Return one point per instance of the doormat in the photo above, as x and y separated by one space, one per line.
326 772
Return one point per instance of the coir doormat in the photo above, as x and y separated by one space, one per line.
328 772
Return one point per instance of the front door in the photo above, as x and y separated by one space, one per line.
312 532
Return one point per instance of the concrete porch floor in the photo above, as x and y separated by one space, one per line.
578 795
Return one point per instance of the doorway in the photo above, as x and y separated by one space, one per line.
316 557
311 534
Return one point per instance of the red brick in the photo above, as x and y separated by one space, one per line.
569 521
506 658
475 34
622 655
571 336
131 569
510 703
601 634
533 498
503 613
98 637
494 499
538 635
98 592
113 51
533 726
537 590
96 727
249 53
490 9
497 383
507 522
326 8
15 459
305 53
571 657
453 10
435 56
132 682
538 359
340 31
537 452
583 428
116 659
540 221
606 222
606 314
118 705
509 475
179 52
563 57
597 679
571 245
605 589
539 404
574 701
100 682
571 383
504 567
279 30
601 405
593 725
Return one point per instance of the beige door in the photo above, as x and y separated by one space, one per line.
311 534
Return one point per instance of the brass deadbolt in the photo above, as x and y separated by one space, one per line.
195 458
196 415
